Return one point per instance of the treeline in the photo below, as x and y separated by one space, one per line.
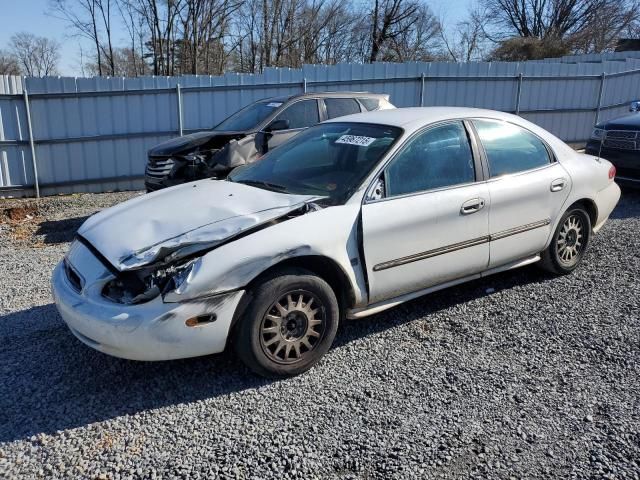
174 37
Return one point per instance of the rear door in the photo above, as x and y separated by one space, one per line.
527 187
300 115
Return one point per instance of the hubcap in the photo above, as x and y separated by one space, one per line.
292 327
570 242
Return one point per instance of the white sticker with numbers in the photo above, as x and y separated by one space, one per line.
274 104
356 140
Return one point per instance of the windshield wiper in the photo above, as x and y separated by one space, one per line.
262 184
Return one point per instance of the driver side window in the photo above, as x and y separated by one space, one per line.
301 114
438 157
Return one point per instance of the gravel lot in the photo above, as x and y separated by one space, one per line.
518 375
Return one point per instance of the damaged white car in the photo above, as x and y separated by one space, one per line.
349 218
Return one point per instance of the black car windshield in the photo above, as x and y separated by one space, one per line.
330 160
249 117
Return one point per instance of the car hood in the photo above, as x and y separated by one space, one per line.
188 143
628 122
172 223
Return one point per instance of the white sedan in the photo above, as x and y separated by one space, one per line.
349 218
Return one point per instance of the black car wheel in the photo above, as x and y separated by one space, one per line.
289 325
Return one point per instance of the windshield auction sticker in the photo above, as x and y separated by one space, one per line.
356 140
274 104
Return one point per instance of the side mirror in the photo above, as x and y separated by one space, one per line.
635 106
281 124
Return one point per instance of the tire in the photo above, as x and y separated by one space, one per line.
289 324
569 242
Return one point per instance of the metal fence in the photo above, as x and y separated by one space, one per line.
64 135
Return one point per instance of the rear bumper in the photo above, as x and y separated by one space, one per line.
151 331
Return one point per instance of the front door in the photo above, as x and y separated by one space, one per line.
527 189
300 115
429 222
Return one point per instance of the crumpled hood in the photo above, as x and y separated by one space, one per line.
188 143
181 220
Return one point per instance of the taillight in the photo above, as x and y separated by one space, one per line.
612 172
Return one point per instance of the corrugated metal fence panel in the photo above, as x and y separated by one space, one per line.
92 134
15 155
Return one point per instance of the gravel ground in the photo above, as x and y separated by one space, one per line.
519 375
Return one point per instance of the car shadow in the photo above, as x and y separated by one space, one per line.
59 231
49 381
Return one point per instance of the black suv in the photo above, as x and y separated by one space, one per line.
618 140
247 134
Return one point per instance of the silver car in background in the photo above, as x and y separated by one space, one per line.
349 218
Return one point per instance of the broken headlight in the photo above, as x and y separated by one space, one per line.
135 287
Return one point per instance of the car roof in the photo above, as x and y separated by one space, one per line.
413 118
284 98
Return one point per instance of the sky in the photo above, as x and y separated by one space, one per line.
34 16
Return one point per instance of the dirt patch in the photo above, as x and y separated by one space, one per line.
19 213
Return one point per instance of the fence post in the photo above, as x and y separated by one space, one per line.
519 93
32 143
304 85
179 97
600 92
422 89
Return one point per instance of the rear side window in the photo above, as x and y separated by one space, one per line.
370 103
509 148
337 107
301 114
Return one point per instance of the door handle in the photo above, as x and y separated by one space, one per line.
472 206
558 184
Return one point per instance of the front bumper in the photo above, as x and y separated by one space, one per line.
151 331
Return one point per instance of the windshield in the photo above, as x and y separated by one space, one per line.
330 160
249 117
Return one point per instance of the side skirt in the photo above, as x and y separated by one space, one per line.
393 302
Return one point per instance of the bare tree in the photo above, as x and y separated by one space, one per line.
91 19
417 40
37 56
389 19
469 40
8 64
559 25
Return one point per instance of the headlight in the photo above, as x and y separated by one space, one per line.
181 275
194 158
132 287
598 133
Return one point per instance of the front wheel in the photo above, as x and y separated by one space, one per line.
569 242
289 325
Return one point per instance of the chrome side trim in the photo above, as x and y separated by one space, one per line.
431 253
459 246
521 229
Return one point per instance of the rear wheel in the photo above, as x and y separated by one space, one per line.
569 242
289 325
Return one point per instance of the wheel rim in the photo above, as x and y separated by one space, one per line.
292 327
570 243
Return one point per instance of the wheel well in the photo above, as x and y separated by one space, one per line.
324 267
591 208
